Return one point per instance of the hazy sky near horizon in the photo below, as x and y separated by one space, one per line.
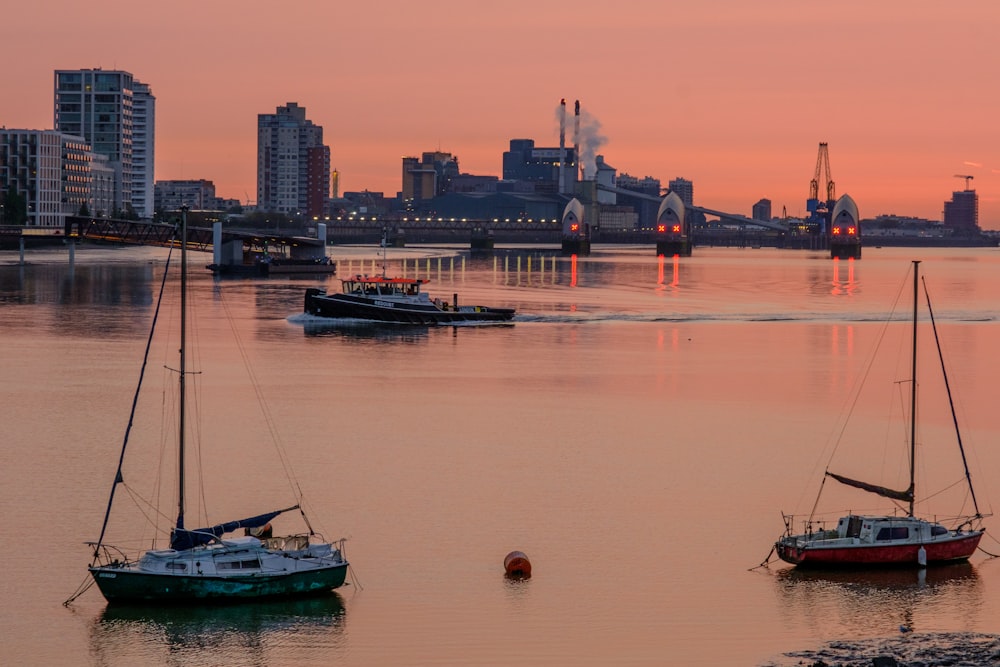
732 94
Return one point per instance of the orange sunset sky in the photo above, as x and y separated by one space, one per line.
734 95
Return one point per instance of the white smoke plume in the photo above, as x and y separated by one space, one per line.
590 138
591 141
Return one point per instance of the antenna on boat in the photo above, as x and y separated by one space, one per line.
385 244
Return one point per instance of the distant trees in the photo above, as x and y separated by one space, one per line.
14 208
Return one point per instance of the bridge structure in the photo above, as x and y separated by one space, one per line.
729 218
400 229
134 232
479 233
232 249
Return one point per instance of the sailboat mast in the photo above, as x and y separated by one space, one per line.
183 372
913 385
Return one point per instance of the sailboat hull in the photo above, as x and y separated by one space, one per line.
123 584
806 551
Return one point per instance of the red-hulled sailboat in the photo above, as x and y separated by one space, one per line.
888 540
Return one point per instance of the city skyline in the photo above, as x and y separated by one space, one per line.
732 96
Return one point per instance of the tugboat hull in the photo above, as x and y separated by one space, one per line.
318 303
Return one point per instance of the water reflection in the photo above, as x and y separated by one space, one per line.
661 282
843 277
196 635
364 330
880 600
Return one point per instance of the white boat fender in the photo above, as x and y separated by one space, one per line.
922 556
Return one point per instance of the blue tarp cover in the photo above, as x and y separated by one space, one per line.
182 539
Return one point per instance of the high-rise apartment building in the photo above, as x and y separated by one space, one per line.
293 164
143 148
99 105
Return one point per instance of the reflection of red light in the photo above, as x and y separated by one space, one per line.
574 227
661 228
676 229
836 231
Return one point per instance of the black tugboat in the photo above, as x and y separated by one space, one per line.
396 300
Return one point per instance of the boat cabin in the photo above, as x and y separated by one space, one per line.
880 529
381 286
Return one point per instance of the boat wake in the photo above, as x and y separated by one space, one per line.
592 317
584 317
931 649
316 321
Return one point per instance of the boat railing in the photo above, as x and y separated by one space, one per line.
287 542
106 555
810 526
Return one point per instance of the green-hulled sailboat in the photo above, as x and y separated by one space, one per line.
208 564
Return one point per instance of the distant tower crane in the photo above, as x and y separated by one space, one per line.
967 179
817 209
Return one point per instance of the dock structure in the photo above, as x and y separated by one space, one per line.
236 253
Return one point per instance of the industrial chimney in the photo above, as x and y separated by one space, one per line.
576 143
562 144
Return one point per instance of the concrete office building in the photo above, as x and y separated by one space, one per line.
47 173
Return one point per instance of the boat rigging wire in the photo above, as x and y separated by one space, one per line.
951 403
135 401
272 428
854 398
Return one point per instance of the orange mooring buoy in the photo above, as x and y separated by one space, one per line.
516 564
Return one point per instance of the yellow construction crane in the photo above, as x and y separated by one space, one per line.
823 162
967 179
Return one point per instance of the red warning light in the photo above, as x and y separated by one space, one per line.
835 231
661 228
676 229
852 231
575 227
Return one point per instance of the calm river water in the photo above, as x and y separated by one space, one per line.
637 432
